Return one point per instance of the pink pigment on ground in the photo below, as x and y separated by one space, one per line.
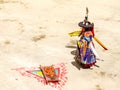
62 75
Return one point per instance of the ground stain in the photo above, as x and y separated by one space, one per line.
105 74
98 87
14 2
7 42
21 26
38 37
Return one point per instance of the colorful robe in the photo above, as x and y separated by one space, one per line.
86 53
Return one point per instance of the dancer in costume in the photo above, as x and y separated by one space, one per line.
86 53
85 44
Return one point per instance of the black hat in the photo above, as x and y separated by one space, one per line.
86 24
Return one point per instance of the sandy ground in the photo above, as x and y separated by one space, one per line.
34 32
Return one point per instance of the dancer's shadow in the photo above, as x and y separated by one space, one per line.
74 52
68 46
78 66
76 61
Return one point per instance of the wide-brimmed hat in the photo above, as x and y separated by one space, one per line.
86 24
